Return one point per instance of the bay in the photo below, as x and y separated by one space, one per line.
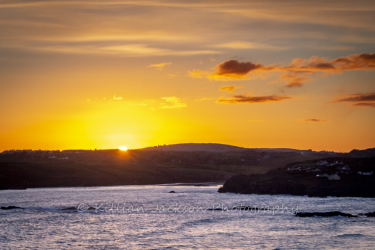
193 217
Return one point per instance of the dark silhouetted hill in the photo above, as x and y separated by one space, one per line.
196 147
352 177
180 163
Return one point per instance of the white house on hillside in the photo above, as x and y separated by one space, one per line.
334 177
365 173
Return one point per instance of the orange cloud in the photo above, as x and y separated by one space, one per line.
365 104
172 102
247 45
159 66
359 100
298 72
294 79
252 99
230 88
314 120
234 69
196 73
356 62
117 98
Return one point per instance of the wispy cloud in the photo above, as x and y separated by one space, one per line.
117 98
247 45
159 66
197 73
172 102
252 99
128 50
359 100
117 27
364 104
314 120
230 88
294 79
206 99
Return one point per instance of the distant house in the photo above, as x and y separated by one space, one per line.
322 175
365 173
321 163
346 168
294 169
334 177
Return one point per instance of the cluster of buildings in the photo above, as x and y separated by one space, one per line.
323 169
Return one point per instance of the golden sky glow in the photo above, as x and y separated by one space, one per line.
102 74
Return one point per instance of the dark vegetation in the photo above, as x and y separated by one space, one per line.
324 214
332 214
338 176
183 163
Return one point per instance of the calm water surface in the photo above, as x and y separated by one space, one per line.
149 217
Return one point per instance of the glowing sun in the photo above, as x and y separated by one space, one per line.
123 148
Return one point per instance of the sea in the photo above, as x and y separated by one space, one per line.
178 217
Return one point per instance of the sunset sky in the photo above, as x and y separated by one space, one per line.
264 74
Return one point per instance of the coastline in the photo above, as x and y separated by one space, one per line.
193 184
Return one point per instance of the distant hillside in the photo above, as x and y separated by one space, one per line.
223 148
370 152
217 147
197 147
189 163
203 163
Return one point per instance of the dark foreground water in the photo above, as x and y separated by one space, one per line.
149 217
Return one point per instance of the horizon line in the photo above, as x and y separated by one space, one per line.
165 145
